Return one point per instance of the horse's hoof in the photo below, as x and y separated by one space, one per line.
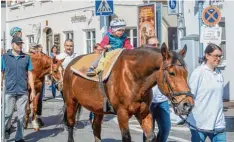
35 125
72 140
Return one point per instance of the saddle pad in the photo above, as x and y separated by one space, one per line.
82 65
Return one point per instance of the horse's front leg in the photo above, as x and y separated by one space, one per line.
145 120
123 118
97 126
34 118
70 112
28 111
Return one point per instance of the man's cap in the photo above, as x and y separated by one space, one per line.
17 40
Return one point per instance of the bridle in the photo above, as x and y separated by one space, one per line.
52 73
173 94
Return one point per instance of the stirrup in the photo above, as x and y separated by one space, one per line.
91 72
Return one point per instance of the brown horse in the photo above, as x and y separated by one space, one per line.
128 86
42 65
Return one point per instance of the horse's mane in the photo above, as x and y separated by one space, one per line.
145 52
176 56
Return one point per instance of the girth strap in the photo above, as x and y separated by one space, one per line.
106 103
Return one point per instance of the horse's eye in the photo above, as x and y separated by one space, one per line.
172 73
55 71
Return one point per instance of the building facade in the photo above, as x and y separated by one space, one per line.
3 24
51 22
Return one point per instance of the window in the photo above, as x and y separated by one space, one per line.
57 41
69 35
132 36
223 39
90 40
30 38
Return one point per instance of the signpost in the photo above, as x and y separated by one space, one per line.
211 35
211 16
104 8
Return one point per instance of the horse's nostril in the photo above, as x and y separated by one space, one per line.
187 106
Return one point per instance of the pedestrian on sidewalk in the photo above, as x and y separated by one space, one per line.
159 108
68 55
16 69
207 84
53 54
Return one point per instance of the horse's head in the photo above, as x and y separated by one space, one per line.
56 72
172 80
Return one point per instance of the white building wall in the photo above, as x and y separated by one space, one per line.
192 27
59 13
229 69
3 25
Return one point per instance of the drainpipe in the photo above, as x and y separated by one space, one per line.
180 23
200 9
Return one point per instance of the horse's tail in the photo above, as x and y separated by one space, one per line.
79 108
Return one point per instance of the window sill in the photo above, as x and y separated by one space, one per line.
28 3
15 6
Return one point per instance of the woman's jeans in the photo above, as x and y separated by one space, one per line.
53 88
201 136
161 113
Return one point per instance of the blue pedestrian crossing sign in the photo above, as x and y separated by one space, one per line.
104 7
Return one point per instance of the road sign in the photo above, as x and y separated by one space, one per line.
104 7
211 16
211 35
173 8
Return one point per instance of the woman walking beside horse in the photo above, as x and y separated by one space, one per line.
207 84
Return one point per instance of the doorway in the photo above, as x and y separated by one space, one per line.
49 40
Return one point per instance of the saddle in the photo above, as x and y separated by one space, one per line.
105 65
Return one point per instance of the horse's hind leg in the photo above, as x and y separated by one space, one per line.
123 118
69 117
97 126
145 120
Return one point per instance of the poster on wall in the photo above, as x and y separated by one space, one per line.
146 22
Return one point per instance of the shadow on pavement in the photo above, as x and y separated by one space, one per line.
108 117
110 140
41 134
229 123
52 120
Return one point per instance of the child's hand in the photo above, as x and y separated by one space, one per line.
108 46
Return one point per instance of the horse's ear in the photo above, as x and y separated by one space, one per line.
165 51
183 51
54 60
61 60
